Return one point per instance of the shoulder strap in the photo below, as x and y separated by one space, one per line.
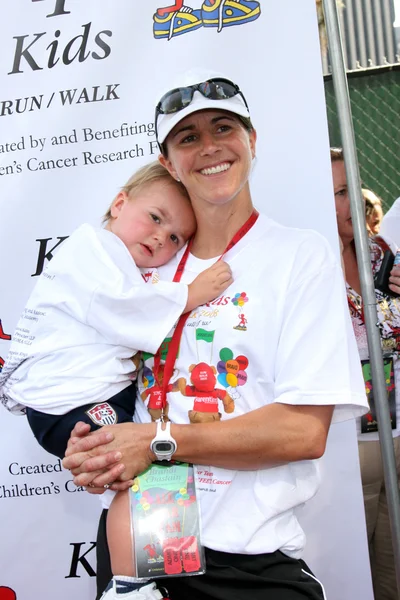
381 243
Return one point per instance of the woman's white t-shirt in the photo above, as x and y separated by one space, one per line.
280 333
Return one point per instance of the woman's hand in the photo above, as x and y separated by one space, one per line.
82 432
394 279
111 456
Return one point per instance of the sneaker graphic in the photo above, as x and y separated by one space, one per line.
224 13
176 23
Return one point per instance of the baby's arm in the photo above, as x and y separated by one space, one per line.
209 285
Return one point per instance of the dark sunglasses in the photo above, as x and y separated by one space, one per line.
179 98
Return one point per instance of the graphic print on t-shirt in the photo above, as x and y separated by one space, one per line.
239 300
212 382
205 393
230 373
153 393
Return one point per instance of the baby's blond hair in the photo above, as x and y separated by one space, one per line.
145 176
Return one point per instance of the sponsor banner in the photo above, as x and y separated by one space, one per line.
78 84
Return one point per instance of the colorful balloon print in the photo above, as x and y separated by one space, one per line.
243 362
232 366
222 379
221 368
231 371
148 377
240 299
241 377
226 354
231 380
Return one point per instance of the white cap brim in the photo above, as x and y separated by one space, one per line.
166 123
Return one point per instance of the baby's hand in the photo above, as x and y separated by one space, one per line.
209 284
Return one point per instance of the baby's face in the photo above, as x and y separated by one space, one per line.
154 224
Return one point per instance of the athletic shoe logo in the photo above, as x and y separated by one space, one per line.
101 414
178 19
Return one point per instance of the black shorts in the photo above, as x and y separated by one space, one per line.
228 576
53 431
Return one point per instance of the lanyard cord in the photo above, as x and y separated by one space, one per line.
173 347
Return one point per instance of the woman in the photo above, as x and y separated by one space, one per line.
376 509
373 211
258 445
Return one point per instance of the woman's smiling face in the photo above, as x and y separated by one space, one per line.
211 152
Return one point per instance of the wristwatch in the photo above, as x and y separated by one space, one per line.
163 444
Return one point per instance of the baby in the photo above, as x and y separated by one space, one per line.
77 345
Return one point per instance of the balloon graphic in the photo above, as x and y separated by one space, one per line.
240 299
232 366
148 378
232 371
243 362
222 379
221 368
241 378
226 354
231 380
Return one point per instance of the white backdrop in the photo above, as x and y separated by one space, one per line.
114 71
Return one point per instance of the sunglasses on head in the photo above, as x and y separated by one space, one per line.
179 98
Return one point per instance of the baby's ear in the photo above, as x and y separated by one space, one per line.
118 203
214 370
191 368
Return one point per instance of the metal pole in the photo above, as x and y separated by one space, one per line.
360 33
366 279
351 38
370 34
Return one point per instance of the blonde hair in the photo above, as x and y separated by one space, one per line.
337 154
144 176
371 201
372 205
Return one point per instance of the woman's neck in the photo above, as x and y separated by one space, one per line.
216 226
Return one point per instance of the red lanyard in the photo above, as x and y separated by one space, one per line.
173 347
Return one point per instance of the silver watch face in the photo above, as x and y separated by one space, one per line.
163 447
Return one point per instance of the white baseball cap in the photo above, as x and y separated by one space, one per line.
236 104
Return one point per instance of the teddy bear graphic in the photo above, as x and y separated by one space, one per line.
206 395
154 396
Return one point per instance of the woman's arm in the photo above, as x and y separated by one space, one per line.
315 366
266 437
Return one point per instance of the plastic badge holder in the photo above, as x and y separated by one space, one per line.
166 523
